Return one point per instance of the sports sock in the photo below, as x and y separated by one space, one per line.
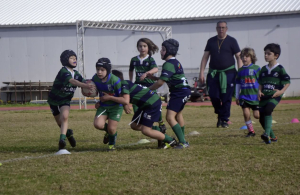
68 133
178 131
268 124
182 128
249 126
272 135
112 139
156 128
62 136
167 138
161 122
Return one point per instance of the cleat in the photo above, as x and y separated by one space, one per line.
105 138
182 145
61 144
71 138
224 124
168 145
266 138
111 148
219 123
274 139
163 129
251 134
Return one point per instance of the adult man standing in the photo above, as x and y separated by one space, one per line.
222 71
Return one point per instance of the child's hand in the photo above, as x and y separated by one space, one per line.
105 97
237 102
277 93
127 109
97 105
150 76
260 94
143 76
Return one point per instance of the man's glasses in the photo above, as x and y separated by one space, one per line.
221 27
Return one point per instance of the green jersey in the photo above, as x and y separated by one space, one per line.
112 87
172 73
62 90
141 66
270 79
139 95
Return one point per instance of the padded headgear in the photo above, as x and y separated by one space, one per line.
105 63
171 46
64 58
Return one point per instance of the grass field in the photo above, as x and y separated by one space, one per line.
219 161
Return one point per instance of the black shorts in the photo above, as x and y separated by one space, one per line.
244 104
56 109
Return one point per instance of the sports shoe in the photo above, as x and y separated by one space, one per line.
219 123
163 129
182 145
111 148
250 134
274 139
71 138
171 144
105 138
224 124
61 144
266 138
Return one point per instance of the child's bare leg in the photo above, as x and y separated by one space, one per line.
99 122
171 118
256 114
247 118
63 118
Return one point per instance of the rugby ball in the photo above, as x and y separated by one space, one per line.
89 92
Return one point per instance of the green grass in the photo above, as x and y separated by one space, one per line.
219 161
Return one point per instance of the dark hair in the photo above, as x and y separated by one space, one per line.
152 48
221 21
118 74
247 51
273 47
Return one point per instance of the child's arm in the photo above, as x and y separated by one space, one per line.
130 75
150 72
157 85
259 92
280 92
80 84
237 93
124 99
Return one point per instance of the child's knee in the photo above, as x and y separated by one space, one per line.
98 126
134 126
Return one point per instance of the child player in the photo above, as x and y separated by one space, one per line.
247 88
62 92
273 82
172 73
149 109
107 83
145 65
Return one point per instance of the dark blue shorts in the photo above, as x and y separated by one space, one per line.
178 99
56 109
244 104
148 115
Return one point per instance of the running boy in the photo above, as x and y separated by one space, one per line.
62 92
144 66
107 83
172 73
149 109
247 88
273 82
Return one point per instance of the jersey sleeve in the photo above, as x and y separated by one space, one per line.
79 77
125 87
207 47
131 67
235 46
117 87
65 77
167 72
284 77
257 74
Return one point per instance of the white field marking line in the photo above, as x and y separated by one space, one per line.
49 155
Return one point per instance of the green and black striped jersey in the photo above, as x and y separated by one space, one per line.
139 95
274 78
62 90
172 73
141 66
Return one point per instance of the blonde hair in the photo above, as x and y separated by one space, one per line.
249 52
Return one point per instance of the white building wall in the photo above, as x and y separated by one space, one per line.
33 53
